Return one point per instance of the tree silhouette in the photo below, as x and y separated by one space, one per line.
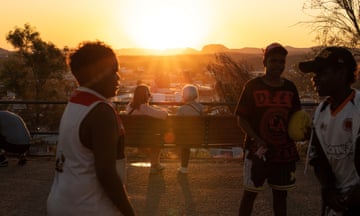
336 22
230 77
35 72
35 60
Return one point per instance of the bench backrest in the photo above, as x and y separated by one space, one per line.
191 131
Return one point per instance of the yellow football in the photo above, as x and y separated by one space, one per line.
299 125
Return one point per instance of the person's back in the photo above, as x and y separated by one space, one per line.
191 107
148 110
14 136
13 127
139 105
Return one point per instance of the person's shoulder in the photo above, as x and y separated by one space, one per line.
5 114
253 82
128 108
102 110
198 104
357 93
147 108
180 110
288 82
103 105
356 97
182 106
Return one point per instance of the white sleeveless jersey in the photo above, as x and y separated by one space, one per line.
76 189
337 132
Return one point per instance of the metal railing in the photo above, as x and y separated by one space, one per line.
307 105
43 147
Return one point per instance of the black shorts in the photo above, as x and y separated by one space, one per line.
279 176
282 175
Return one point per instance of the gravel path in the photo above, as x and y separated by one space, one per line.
212 187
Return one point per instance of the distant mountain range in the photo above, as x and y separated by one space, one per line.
207 49
4 52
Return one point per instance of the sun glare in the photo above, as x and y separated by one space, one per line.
165 24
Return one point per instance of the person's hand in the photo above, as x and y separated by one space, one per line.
333 199
352 197
261 149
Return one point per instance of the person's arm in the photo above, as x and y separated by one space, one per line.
243 110
154 111
357 154
101 124
180 111
322 168
326 177
352 198
246 127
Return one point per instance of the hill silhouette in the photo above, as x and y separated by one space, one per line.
189 58
207 49
4 52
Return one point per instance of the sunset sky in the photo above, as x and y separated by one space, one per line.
160 24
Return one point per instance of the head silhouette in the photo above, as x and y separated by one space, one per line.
141 96
189 93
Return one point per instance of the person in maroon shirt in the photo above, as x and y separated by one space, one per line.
263 112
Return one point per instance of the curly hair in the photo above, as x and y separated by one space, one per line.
87 54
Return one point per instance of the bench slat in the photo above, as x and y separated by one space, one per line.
189 131
224 130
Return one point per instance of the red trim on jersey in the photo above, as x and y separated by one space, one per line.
343 104
84 98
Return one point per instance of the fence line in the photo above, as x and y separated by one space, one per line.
42 147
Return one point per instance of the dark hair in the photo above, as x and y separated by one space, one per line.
87 54
141 96
274 48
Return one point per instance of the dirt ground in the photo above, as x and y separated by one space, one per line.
213 187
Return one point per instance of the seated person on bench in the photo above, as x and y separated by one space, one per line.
14 137
139 105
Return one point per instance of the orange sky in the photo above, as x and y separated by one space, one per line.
160 24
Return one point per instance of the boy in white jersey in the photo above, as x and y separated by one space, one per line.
334 148
86 180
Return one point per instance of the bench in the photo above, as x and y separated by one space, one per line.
182 131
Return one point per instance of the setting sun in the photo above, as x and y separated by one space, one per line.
166 24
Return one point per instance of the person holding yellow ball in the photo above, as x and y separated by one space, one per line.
264 110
